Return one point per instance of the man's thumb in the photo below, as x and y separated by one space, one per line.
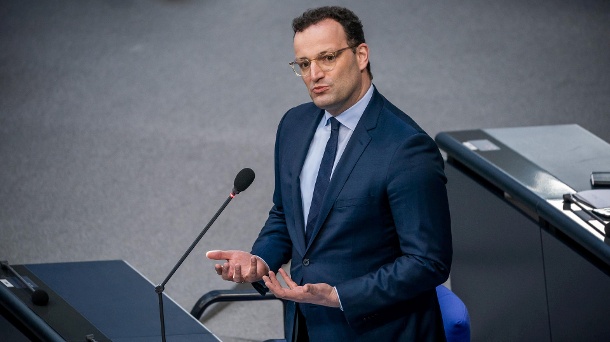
309 288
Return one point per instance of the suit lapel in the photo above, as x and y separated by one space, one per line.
309 130
354 149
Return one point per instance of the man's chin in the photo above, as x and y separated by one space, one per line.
321 101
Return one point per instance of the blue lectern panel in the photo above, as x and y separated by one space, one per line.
119 301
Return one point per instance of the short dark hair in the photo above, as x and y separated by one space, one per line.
349 21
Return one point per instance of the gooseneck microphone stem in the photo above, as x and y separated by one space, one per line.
190 249
242 181
160 288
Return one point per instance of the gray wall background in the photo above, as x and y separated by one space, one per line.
123 123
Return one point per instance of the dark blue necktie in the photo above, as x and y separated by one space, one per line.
323 179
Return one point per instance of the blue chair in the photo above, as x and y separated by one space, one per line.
456 320
455 315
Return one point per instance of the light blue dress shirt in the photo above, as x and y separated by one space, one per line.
348 120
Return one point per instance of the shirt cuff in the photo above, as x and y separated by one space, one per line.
264 262
339 298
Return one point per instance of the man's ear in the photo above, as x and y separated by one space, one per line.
362 54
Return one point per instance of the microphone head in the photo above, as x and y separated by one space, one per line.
244 178
40 297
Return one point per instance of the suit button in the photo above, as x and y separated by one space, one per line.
305 262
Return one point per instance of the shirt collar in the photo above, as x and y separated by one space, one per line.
351 116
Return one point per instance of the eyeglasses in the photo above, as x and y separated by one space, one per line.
326 62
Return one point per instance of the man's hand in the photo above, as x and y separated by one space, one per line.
240 267
320 293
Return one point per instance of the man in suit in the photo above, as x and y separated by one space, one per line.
370 247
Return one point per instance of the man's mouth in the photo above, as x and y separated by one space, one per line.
319 89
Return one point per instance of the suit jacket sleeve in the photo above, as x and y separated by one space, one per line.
418 201
273 243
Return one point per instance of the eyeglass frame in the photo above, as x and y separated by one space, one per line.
335 54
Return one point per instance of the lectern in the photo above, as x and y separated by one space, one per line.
528 266
91 301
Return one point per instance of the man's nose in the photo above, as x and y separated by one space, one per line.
315 72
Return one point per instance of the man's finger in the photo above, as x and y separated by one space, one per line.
219 255
253 268
237 277
274 286
226 271
273 282
218 269
291 284
269 284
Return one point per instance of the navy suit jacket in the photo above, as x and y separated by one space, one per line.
383 236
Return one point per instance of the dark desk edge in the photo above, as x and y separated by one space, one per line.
452 144
27 317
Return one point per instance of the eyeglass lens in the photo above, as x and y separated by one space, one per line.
326 62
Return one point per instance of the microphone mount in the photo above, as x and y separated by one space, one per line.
242 181
570 198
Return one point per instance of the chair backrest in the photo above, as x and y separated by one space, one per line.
455 315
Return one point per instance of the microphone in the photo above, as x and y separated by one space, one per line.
244 178
39 297
569 198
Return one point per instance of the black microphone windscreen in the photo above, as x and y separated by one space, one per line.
40 297
244 178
